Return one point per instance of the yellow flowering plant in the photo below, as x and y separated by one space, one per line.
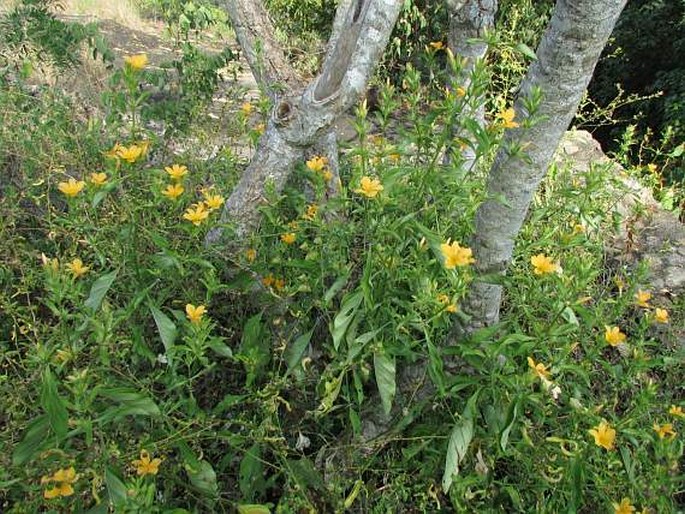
60 483
315 328
173 191
146 465
136 62
176 171
71 187
604 435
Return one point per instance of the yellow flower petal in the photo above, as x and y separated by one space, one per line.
195 313
604 435
456 255
72 187
136 62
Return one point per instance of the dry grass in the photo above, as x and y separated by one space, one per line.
123 11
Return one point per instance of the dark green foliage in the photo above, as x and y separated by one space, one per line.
297 17
32 28
645 56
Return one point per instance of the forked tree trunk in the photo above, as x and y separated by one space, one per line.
361 31
566 58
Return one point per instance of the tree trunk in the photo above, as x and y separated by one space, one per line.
299 120
255 34
566 59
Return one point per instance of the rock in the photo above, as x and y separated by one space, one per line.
647 232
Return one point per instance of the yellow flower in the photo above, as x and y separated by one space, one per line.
77 268
63 478
539 369
613 335
460 91
250 254
543 265
369 187
145 465
317 163
676 411
246 108
195 313
213 202
664 430
260 128
196 215
173 191
661 315
506 117
310 214
176 172
130 153
270 280
72 187
625 507
436 45
136 62
578 228
652 168
604 435
289 238
99 179
114 152
327 174
642 298
456 255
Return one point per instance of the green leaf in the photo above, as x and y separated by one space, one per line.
98 197
569 316
527 51
116 488
131 403
460 439
504 436
335 288
251 478
54 405
305 474
35 438
203 478
293 353
253 508
220 348
227 402
99 290
166 328
343 319
384 367
255 351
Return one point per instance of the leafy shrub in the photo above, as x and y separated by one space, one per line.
31 30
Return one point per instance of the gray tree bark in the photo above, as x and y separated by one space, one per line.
300 119
566 58
256 35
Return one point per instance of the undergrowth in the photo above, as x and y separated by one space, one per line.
142 371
